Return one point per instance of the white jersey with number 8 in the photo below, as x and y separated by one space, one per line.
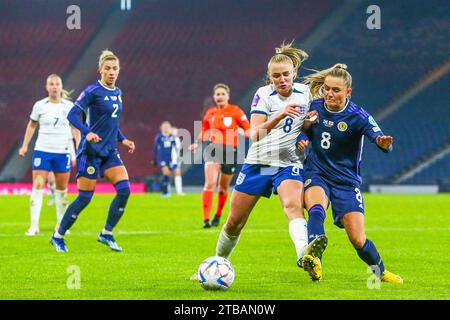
278 148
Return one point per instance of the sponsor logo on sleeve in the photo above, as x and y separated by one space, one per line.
81 96
256 100
376 129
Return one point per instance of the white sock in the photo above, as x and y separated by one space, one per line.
52 187
57 235
226 244
61 204
178 184
35 206
104 231
299 235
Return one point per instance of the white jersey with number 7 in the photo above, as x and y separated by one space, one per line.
55 135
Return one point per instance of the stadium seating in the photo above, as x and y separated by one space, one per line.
182 53
438 172
35 42
419 128
411 44
171 59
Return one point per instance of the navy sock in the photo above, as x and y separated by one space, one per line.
165 184
370 255
316 219
74 209
117 207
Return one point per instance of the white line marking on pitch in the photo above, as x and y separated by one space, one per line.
180 232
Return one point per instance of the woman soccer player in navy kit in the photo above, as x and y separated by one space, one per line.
332 166
166 156
97 153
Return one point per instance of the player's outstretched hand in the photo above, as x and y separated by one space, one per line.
129 144
385 141
93 137
302 145
23 151
312 117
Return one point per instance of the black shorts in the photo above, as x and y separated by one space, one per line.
226 156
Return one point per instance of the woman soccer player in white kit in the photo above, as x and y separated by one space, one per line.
52 149
272 165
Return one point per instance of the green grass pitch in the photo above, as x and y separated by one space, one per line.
164 243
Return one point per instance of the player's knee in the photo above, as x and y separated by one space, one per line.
233 227
84 197
209 186
38 182
293 208
123 189
357 241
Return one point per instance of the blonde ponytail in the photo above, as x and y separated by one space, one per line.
315 80
65 94
287 53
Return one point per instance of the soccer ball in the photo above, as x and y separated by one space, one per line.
216 273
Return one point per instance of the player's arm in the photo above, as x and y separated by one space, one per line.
260 125
303 139
74 118
203 134
29 132
76 135
155 150
126 142
83 102
242 120
373 132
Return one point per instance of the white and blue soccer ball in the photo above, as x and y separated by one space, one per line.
216 273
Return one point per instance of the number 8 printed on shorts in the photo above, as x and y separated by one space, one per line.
359 198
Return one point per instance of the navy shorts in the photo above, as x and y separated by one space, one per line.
344 199
168 163
56 162
91 167
264 180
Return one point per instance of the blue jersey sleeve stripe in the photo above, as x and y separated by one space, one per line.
258 112
77 105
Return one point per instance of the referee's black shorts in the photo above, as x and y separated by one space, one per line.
225 155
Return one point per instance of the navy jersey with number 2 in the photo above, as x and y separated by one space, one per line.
102 107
